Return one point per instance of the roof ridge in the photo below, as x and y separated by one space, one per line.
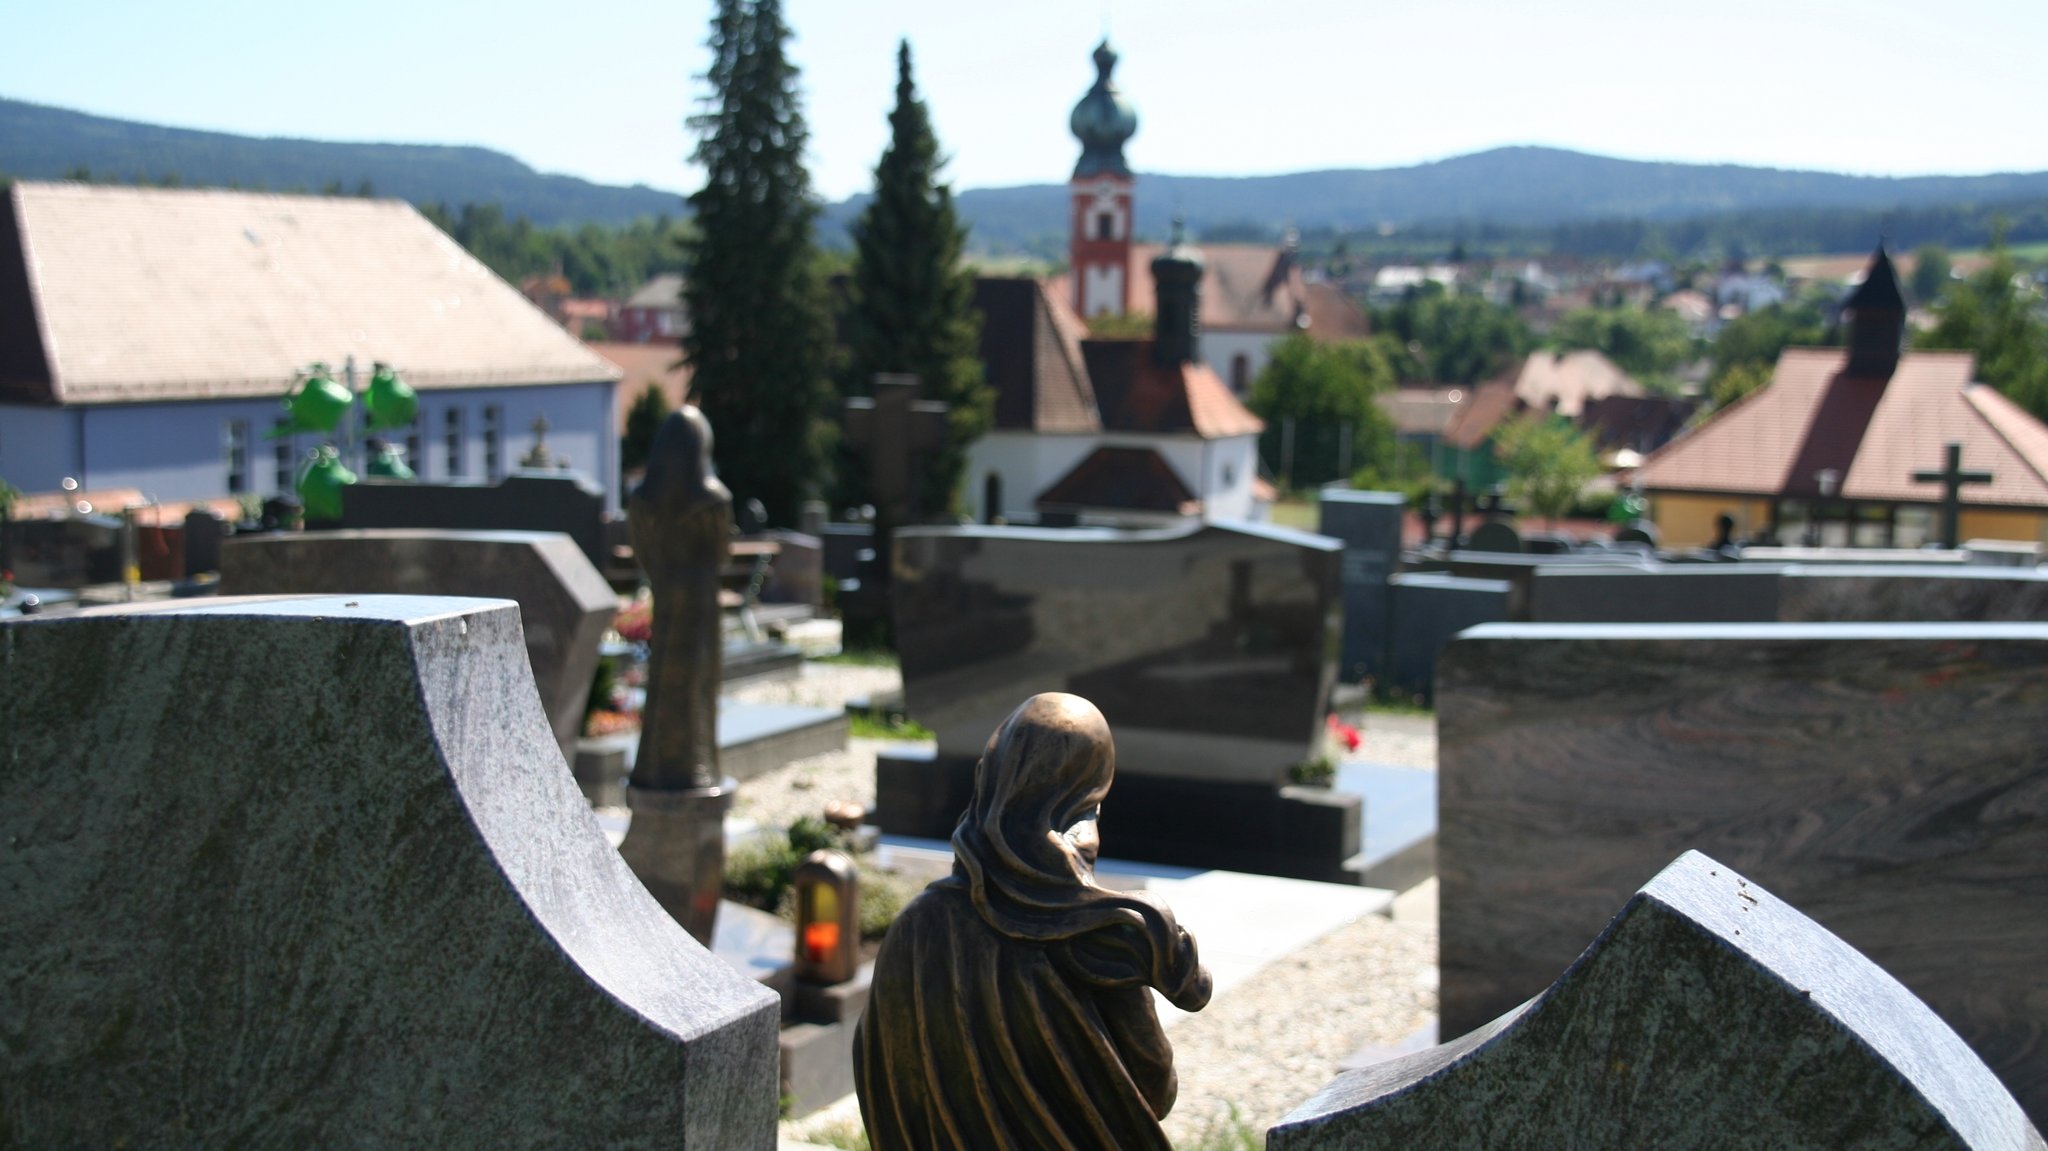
1970 390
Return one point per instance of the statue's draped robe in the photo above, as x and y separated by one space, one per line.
1011 1005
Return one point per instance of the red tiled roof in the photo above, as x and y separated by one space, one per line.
1128 479
643 364
1245 287
1031 352
1483 410
1875 433
1570 379
1137 394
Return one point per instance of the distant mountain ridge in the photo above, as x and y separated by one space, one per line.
41 143
1512 187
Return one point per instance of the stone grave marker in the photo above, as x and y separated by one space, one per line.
559 502
564 604
311 872
1369 523
1210 648
1429 608
1890 779
1708 1014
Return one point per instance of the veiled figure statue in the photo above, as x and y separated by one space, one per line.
1012 1000
682 527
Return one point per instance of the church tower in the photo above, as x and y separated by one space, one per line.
1100 249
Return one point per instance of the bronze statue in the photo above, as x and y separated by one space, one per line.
682 527
1012 1001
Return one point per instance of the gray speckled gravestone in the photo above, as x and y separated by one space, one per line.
1708 1014
311 872
564 604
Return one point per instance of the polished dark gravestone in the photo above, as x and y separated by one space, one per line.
561 502
311 872
565 606
1787 593
1429 609
1710 1013
1210 648
1890 779
1369 524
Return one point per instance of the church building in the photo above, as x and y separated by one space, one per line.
1844 446
1252 295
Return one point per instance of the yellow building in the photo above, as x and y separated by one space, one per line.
1836 448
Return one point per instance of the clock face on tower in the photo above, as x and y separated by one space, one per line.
1105 191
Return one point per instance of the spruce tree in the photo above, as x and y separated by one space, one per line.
759 341
910 303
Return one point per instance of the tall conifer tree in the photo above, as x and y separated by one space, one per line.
911 304
759 340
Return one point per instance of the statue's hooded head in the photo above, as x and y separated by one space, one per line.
1025 846
680 474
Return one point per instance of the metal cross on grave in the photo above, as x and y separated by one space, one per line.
895 429
1951 477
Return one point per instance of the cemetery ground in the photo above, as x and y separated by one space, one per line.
1365 987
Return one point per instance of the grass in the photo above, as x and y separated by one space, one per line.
862 657
874 725
1296 511
1394 705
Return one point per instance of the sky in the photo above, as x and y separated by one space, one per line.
1880 87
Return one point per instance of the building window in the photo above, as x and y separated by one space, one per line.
451 438
286 455
1240 373
494 443
237 444
413 458
1105 226
1229 475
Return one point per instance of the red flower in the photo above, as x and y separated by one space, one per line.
1344 733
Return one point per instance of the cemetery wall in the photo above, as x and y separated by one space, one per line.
1889 779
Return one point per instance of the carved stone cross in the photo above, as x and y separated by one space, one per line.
1951 477
895 429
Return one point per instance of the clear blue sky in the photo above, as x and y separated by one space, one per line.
600 91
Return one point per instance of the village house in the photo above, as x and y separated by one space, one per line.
147 336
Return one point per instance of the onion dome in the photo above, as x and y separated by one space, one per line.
1102 121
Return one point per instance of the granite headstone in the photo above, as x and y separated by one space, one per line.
564 604
303 873
1890 779
1430 608
559 502
1708 1014
1369 524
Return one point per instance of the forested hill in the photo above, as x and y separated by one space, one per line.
50 143
1507 187
1525 198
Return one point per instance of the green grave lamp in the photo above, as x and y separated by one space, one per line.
386 461
321 482
318 403
390 402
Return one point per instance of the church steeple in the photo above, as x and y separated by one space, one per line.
1102 121
1099 248
1877 321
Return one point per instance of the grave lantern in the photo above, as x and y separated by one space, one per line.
827 918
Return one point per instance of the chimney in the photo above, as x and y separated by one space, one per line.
1877 321
1177 313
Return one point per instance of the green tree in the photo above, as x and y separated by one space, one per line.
1548 461
1647 344
1997 314
759 339
1329 391
1931 268
642 419
1452 339
910 303
1747 347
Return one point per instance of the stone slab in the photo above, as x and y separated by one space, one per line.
753 738
1429 609
1891 779
1369 524
1209 648
1399 834
1708 1014
1300 832
524 502
1788 593
311 872
565 606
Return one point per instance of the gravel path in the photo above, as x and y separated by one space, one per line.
1263 1047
